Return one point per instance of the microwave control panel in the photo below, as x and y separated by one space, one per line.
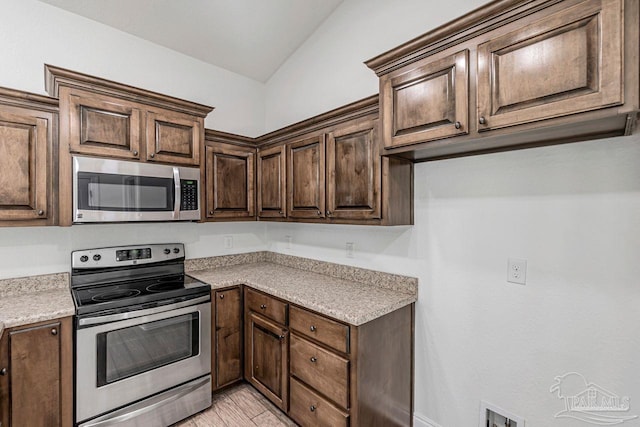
189 190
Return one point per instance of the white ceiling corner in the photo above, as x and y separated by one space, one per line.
248 37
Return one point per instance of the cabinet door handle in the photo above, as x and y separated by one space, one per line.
54 331
313 328
319 212
281 213
152 155
211 212
313 359
328 212
221 296
482 120
458 125
312 408
282 336
263 306
3 371
40 212
135 152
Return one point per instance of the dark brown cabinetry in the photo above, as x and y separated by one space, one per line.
532 72
27 163
306 178
36 370
227 337
272 182
229 181
102 118
266 349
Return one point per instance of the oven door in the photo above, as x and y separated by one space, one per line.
123 361
107 190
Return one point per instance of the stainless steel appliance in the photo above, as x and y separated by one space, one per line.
107 190
143 337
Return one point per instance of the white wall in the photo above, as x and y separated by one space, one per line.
35 33
571 211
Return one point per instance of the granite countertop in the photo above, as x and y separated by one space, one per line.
34 299
347 300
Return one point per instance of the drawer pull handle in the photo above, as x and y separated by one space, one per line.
313 328
312 408
221 296
313 359
263 306
3 371
54 331
482 120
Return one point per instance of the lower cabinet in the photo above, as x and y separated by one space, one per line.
266 357
36 371
227 337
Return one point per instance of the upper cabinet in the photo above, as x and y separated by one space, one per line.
103 118
27 158
512 74
229 178
305 178
272 179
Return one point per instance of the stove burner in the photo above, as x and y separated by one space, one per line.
164 286
115 294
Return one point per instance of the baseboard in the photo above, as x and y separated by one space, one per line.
422 421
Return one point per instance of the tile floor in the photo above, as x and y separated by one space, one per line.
239 406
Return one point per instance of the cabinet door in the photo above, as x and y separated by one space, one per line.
35 376
229 180
266 358
272 197
427 102
101 125
565 63
228 337
353 172
305 183
174 137
24 167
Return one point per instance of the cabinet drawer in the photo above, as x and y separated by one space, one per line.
309 409
267 306
323 370
326 331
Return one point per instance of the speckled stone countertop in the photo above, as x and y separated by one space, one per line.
33 299
346 299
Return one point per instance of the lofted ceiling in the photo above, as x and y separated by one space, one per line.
248 37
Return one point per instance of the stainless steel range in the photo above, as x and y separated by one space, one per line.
143 337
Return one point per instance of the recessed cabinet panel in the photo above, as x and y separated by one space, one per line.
173 138
353 172
430 101
272 183
566 63
230 181
103 126
23 167
306 180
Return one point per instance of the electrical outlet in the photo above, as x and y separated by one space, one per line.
493 416
350 248
288 241
517 271
228 242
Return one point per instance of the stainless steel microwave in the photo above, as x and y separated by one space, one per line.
106 190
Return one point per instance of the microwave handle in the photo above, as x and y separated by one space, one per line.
178 193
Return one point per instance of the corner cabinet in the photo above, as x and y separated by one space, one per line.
305 178
28 141
102 118
272 182
36 371
513 74
229 180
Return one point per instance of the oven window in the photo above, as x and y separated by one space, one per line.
110 192
137 349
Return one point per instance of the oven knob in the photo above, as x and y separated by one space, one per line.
167 251
97 257
84 258
176 250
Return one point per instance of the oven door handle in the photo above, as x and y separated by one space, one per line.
87 321
119 417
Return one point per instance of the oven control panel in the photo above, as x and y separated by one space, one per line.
126 256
